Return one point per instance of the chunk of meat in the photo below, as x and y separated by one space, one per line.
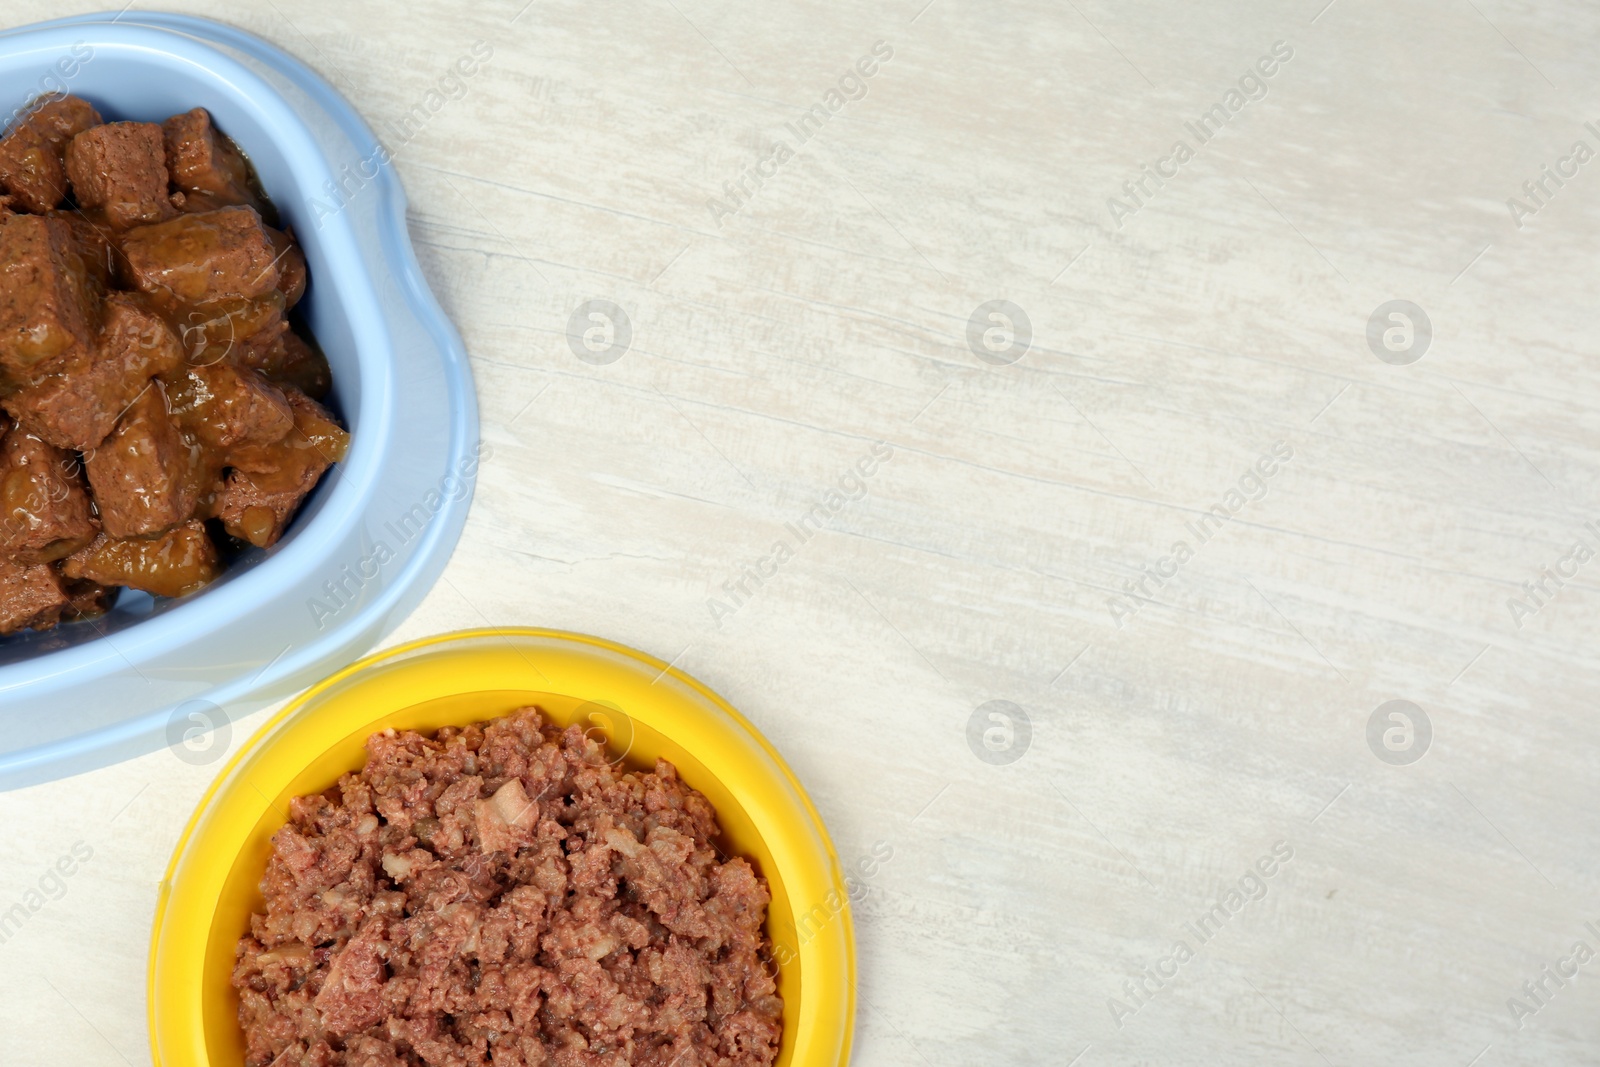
256 512
49 303
31 596
291 266
32 169
317 440
77 406
44 510
269 482
290 360
119 170
231 329
254 350
506 820
87 599
202 259
201 160
228 406
198 203
145 474
351 997
95 243
175 564
61 118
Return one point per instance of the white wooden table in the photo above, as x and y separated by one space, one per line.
1175 731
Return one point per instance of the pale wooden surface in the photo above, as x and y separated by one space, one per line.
830 312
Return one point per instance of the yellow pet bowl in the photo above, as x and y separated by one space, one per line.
644 709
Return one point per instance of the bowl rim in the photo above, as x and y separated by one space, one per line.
831 958
239 58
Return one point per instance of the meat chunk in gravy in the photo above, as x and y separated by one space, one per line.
175 564
49 303
230 407
503 894
31 596
202 161
77 406
203 259
44 510
268 483
145 474
32 168
119 172
291 361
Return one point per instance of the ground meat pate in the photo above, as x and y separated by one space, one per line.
501 894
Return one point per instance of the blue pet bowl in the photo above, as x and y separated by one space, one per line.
378 530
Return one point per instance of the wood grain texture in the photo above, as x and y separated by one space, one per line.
773 346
